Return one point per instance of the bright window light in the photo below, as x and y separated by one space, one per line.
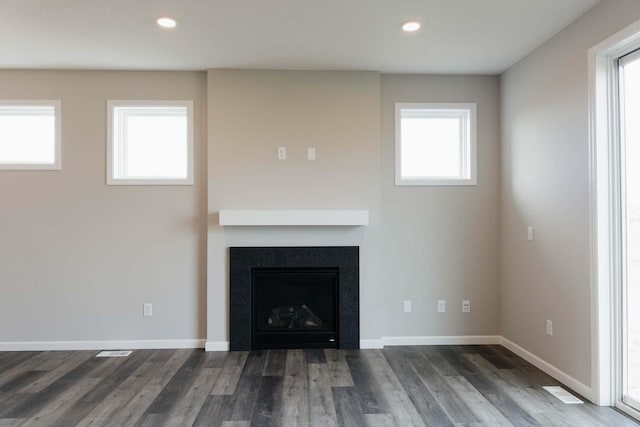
150 143
435 144
30 135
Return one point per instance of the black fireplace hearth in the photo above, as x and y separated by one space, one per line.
294 297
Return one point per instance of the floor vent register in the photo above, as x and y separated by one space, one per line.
563 395
118 353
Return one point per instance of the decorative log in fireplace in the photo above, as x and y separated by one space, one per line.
299 297
293 317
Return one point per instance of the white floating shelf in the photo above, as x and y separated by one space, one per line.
293 218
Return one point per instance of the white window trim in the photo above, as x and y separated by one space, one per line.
472 179
111 104
605 217
57 111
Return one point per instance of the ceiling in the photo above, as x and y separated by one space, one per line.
457 36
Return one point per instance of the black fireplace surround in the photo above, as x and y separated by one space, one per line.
318 285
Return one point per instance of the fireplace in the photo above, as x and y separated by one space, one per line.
294 297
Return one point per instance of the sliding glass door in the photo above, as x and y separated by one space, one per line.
630 180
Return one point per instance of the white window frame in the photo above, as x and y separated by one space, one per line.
111 105
469 141
605 218
57 109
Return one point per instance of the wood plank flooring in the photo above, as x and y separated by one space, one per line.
397 386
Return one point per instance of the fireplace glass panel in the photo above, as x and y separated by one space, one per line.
294 307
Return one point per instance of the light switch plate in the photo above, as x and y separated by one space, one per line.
147 309
282 153
311 153
407 306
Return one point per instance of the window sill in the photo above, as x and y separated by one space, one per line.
436 182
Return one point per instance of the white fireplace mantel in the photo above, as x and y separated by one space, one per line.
280 218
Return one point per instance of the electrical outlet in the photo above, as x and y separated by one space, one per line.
147 309
282 153
529 233
442 306
407 306
466 306
549 328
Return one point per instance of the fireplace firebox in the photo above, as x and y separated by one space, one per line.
294 307
294 297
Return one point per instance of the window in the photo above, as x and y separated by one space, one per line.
435 144
150 143
30 135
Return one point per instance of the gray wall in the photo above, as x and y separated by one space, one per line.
545 184
423 244
442 242
79 258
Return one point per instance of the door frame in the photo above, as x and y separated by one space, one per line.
605 217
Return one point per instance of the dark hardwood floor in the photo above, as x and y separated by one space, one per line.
397 386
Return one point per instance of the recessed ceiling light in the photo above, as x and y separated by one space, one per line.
166 22
411 26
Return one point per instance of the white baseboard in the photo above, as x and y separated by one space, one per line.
430 340
99 345
566 379
216 346
443 340
371 344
